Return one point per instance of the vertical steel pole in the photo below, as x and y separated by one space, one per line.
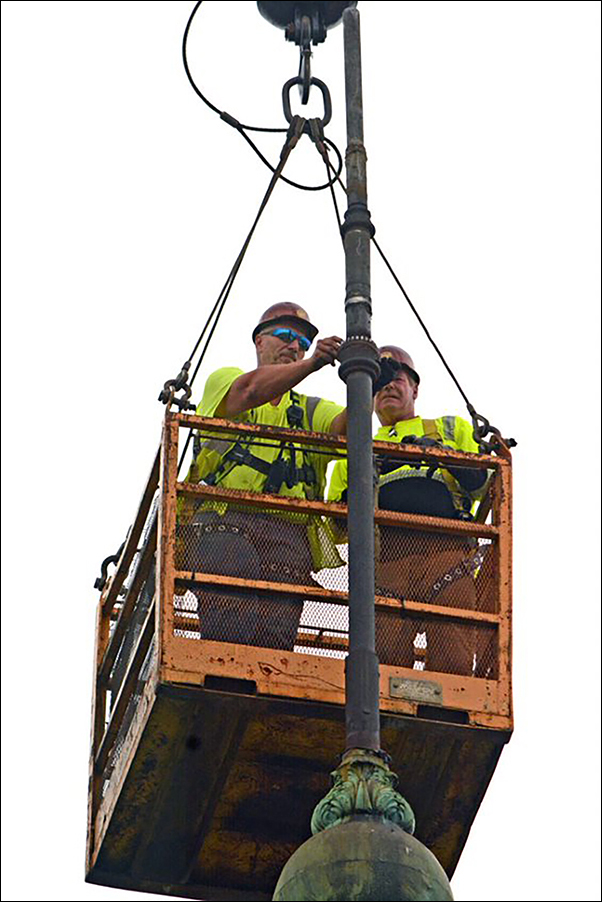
359 365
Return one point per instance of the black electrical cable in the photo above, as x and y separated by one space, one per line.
480 424
407 297
331 453
423 324
241 128
222 113
327 184
333 195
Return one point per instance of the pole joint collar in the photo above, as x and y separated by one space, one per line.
358 354
358 217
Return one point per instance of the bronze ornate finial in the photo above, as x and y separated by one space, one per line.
363 784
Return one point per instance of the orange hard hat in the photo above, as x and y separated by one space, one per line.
402 357
292 313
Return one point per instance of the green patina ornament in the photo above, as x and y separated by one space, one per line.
364 858
363 784
362 849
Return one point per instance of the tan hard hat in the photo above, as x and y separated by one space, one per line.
285 310
400 356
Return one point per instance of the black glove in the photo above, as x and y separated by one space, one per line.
423 441
388 370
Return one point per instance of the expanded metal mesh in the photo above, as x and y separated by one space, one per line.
256 545
429 567
465 649
128 717
149 525
129 642
145 580
455 571
452 571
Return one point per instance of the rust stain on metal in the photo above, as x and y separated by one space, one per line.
282 677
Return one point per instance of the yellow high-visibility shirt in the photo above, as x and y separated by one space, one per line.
318 416
453 431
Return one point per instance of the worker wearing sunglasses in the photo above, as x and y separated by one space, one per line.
288 336
258 544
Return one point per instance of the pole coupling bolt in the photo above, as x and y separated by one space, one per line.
358 354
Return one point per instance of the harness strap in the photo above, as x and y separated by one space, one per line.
454 487
278 471
311 405
431 430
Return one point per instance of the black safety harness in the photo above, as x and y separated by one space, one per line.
439 496
281 471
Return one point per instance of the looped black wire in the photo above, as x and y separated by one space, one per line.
293 184
242 129
251 128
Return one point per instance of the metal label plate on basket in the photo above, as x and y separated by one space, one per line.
416 690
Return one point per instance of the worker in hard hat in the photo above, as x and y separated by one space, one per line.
421 566
255 544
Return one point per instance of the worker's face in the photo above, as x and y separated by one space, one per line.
395 401
282 347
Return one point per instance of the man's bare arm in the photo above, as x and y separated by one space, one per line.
267 383
339 424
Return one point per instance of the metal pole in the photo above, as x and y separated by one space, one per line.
359 365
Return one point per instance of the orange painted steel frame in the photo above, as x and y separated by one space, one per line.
295 675
285 674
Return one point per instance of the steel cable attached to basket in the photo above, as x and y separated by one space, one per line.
481 425
181 383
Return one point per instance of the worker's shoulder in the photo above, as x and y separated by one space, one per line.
224 376
455 420
217 385
320 412
224 372
456 429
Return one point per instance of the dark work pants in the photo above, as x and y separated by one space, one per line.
414 565
252 546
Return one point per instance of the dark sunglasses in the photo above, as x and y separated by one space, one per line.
289 335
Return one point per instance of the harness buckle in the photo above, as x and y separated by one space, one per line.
294 415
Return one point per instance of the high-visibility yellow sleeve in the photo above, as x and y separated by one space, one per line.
338 481
217 387
324 415
464 438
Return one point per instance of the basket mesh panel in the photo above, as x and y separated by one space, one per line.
444 570
128 717
453 571
128 645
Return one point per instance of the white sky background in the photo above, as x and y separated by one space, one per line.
126 201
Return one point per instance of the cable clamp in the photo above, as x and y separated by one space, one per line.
357 216
482 428
180 383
